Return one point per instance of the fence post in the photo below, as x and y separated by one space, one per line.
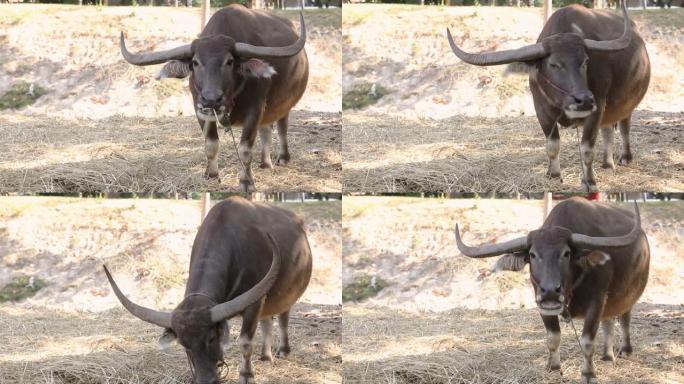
205 204
206 7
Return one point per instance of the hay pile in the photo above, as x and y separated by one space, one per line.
163 155
499 154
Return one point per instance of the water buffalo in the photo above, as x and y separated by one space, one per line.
588 260
247 66
229 276
589 68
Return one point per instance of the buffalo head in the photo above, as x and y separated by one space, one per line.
554 255
199 323
558 64
218 65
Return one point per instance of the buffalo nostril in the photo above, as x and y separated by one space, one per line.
558 288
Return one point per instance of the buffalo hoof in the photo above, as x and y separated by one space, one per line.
246 379
283 351
625 351
554 368
266 164
625 159
212 175
283 159
607 357
608 164
589 378
247 187
266 357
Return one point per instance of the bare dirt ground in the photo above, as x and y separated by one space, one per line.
91 92
75 331
445 319
449 126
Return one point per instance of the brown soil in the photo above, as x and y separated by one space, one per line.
74 330
446 319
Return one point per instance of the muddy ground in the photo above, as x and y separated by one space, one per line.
444 318
448 126
75 331
143 131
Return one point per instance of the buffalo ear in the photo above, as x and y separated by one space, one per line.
591 259
175 69
167 338
520 68
256 68
511 262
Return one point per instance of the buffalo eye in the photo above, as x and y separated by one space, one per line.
533 255
566 254
554 65
228 63
195 63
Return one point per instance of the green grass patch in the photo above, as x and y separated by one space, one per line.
20 95
363 95
363 287
20 288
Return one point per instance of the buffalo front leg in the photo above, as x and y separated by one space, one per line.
553 339
626 154
284 345
589 135
211 149
247 139
250 319
265 134
283 149
588 339
609 336
626 345
608 134
267 333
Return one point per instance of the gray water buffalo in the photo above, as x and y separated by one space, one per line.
588 67
248 259
588 260
249 68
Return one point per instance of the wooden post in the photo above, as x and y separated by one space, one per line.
205 204
547 204
206 9
548 7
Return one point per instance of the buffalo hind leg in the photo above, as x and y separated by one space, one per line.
267 333
283 149
626 154
608 134
265 133
250 320
284 345
211 149
609 336
626 345
553 339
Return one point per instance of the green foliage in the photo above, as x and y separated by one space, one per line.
362 288
20 95
20 288
363 95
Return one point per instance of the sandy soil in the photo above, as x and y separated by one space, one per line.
106 125
74 330
445 319
452 125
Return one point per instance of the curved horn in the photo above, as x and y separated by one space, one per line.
162 319
614 45
151 58
233 307
248 50
585 241
526 53
488 250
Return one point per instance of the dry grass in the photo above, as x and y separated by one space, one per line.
74 330
394 154
445 318
157 155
